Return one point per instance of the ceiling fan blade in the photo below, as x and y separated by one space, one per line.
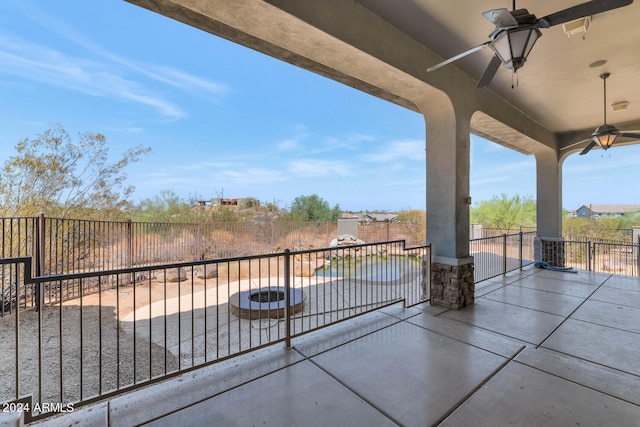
566 147
588 148
501 18
580 11
458 56
630 134
489 72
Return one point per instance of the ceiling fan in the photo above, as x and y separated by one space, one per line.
605 135
517 31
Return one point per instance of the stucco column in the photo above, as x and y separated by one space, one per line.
448 159
548 194
549 245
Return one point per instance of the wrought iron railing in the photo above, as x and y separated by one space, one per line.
498 255
72 339
605 257
62 246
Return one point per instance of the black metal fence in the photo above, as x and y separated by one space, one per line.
61 246
75 338
500 254
601 256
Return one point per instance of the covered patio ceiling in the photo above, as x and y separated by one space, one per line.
384 48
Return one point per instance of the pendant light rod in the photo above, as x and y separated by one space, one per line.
604 77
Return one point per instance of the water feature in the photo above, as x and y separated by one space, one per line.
371 268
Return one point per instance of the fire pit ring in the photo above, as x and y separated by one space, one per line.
265 303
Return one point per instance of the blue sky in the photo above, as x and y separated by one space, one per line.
222 119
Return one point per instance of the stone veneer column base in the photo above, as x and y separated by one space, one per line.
452 286
550 250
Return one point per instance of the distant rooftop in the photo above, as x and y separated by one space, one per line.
611 208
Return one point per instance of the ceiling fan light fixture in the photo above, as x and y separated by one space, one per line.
605 136
513 45
577 27
607 140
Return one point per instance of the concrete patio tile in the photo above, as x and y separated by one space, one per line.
174 394
614 315
300 395
402 313
338 334
535 299
413 375
489 285
558 285
469 334
601 378
627 297
433 310
521 395
512 321
582 276
623 282
597 343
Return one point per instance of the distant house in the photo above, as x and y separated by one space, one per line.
387 217
605 211
349 215
367 218
218 201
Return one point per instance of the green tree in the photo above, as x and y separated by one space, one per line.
413 216
505 213
58 176
165 207
595 228
313 208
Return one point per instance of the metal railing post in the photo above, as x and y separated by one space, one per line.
39 267
388 229
287 297
588 255
199 254
638 256
520 248
129 244
504 254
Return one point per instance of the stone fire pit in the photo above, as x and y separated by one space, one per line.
265 303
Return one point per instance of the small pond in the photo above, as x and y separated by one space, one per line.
371 268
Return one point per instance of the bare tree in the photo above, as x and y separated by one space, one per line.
58 176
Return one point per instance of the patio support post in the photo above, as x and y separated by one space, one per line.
448 200
549 208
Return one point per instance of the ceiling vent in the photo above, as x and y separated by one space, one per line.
577 27
620 106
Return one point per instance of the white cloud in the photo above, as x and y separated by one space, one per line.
395 150
288 145
252 176
106 74
43 65
186 81
352 141
490 180
318 168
